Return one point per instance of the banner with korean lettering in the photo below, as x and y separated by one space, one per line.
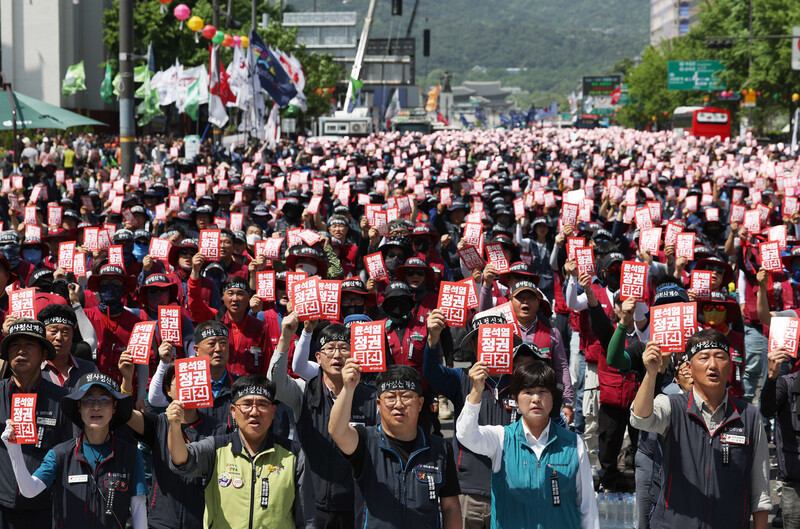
66 255
159 249
265 285
672 325
771 256
633 280
330 297
376 269
701 283
269 248
496 347
193 382
170 324
23 414
497 257
453 302
141 342
684 246
209 244
783 334
585 260
305 299
21 303
471 258
368 345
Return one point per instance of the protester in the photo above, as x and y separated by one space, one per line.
278 485
560 492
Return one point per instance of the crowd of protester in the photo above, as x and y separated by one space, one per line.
297 433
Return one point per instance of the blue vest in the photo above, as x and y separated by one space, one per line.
390 495
523 490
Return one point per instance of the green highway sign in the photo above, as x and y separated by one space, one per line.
694 75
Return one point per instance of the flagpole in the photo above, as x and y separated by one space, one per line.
362 48
127 126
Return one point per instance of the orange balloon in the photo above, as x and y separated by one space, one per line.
227 41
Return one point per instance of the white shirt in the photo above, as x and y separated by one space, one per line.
488 441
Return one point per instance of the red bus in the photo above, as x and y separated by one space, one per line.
703 122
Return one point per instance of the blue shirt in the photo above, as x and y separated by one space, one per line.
46 472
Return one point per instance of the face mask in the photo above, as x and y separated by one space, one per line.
11 253
715 317
32 255
110 298
157 298
140 250
399 312
422 245
392 263
612 282
352 309
308 268
253 238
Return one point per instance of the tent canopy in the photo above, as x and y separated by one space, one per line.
35 114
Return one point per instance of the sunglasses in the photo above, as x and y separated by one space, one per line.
415 272
719 307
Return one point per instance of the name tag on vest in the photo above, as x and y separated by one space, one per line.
45 421
734 439
79 478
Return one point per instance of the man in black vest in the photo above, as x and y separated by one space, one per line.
25 347
403 478
715 451
312 403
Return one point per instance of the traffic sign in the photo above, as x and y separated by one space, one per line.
796 48
694 75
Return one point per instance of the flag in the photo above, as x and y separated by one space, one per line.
355 93
615 94
219 92
505 120
393 109
356 84
273 128
572 99
441 119
74 81
433 100
531 116
186 78
588 104
479 115
151 59
794 130
464 121
148 108
192 101
165 82
253 120
139 73
239 80
295 72
106 90
272 77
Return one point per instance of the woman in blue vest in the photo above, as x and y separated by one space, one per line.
541 476
96 479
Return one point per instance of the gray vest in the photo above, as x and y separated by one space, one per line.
706 479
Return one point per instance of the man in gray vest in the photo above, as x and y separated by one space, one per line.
715 451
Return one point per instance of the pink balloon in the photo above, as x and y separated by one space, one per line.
182 11
237 40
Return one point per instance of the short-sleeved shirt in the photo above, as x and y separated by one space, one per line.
46 472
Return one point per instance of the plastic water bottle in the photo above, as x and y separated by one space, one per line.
612 511
602 510
620 518
634 512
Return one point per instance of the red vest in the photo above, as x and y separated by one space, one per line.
410 350
589 343
790 298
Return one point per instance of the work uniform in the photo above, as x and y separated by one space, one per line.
270 489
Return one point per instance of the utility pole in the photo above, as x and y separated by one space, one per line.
127 127
215 21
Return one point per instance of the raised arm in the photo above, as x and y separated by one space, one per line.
342 433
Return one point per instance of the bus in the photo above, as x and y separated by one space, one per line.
586 121
703 122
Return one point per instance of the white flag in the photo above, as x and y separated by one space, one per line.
166 84
239 80
217 115
394 107
273 128
187 78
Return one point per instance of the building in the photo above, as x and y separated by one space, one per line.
326 32
39 39
671 18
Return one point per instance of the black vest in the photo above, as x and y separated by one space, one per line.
787 435
330 471
475 470
707 477
52 428
395 496
176 501
82 494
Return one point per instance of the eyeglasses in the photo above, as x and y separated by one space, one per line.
262 406
343 349
99 402
719 307
391 399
